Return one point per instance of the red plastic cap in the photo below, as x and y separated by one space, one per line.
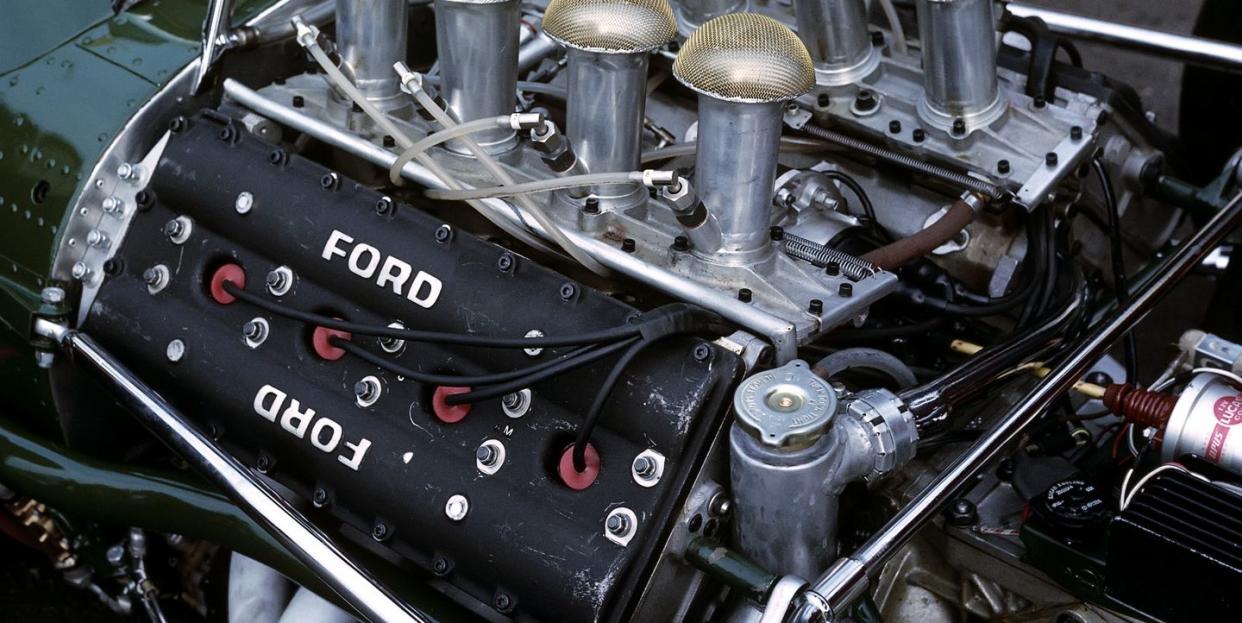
322 343
447 413
574 479
230 273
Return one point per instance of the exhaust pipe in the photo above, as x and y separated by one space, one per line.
835 33
744 67
478 45
608 44
959 65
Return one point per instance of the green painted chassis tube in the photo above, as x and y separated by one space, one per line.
168 502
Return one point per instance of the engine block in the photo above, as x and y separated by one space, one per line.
377 451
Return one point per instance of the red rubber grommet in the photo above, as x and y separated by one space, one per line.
320 341
447 413
228 272
574 479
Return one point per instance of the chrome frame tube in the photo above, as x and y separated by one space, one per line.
371 36
607 97
849 577
478 46
735 170
289 527
1196 50
780 332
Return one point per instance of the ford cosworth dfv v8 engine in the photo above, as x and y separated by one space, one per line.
610 310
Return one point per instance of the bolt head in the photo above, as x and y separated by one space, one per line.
617 524
319 498
244 202
644 466
379 531
53 295
115 555
443 233
383 206
503 601
504 263
175 351
44 359
457 507
81 270
963 513
702 352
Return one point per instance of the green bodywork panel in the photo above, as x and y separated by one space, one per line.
174 503
71 76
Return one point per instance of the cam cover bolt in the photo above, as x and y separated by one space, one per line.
175 351
617 524
644 466
457 508
485 455
252 330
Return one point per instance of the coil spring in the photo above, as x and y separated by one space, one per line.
822 255
991 191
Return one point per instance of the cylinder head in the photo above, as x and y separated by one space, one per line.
610 26
745 57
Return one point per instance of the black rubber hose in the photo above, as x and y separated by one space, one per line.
496 391
601 396
863 199
1130 345
450 379
435 337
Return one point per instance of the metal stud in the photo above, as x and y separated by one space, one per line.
620 526
647 468
516 404
489 457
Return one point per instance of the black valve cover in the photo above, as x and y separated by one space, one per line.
529 547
